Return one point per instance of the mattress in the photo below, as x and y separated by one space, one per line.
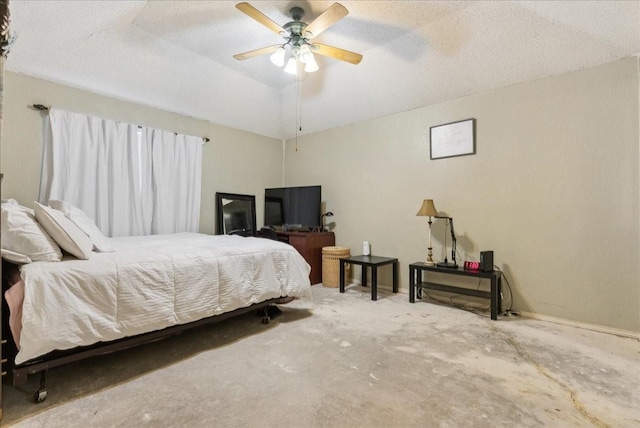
150 283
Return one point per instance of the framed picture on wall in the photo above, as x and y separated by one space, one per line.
452 139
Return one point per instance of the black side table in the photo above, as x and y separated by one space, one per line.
417 269
373 262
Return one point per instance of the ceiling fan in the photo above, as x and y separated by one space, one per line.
298 35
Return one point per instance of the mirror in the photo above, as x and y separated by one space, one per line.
236 214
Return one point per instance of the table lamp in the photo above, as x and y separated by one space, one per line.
428 210
327 214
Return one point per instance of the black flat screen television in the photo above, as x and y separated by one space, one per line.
293 207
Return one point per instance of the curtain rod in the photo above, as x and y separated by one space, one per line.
42 107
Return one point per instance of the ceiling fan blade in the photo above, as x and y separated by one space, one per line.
256 52
329 17
254 13
337 53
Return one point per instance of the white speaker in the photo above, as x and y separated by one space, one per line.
366 248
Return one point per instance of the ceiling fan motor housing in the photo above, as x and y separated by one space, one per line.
295 28
296 13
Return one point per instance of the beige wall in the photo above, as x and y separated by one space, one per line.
553 189
233 161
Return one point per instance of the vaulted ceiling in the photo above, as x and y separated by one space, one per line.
178 55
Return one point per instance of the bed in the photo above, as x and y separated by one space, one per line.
146 288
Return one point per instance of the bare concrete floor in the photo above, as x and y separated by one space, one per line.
341 360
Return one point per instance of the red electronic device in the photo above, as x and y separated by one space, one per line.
472 265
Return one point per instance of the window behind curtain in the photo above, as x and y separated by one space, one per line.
130 182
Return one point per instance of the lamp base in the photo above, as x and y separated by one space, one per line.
448 265
430 261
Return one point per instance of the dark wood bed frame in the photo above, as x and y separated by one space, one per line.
41 364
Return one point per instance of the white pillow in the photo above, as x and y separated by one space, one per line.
100 242
65 232
22 234
14 257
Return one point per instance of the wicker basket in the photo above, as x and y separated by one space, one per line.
331 265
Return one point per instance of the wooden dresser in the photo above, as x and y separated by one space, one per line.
309 245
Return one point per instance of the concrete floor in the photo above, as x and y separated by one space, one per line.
342 360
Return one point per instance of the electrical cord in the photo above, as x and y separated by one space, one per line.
467 307
456 304
470 309
502 275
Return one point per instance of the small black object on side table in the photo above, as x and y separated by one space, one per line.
373 262
415 282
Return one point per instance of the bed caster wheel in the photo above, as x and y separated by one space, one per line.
266 320
40 395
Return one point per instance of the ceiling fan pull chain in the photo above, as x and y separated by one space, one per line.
298 105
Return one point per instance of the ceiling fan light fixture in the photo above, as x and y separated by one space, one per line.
311 64
292 66
295 50
277 57
305 54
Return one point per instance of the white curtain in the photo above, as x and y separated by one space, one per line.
130 183
175 180
94 164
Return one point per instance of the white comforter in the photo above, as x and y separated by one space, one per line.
150 283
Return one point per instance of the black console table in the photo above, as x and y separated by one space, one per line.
416 283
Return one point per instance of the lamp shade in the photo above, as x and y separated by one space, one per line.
427 209
278 56
311 64
305 54
292 66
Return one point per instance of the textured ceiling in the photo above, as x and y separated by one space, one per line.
177 55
